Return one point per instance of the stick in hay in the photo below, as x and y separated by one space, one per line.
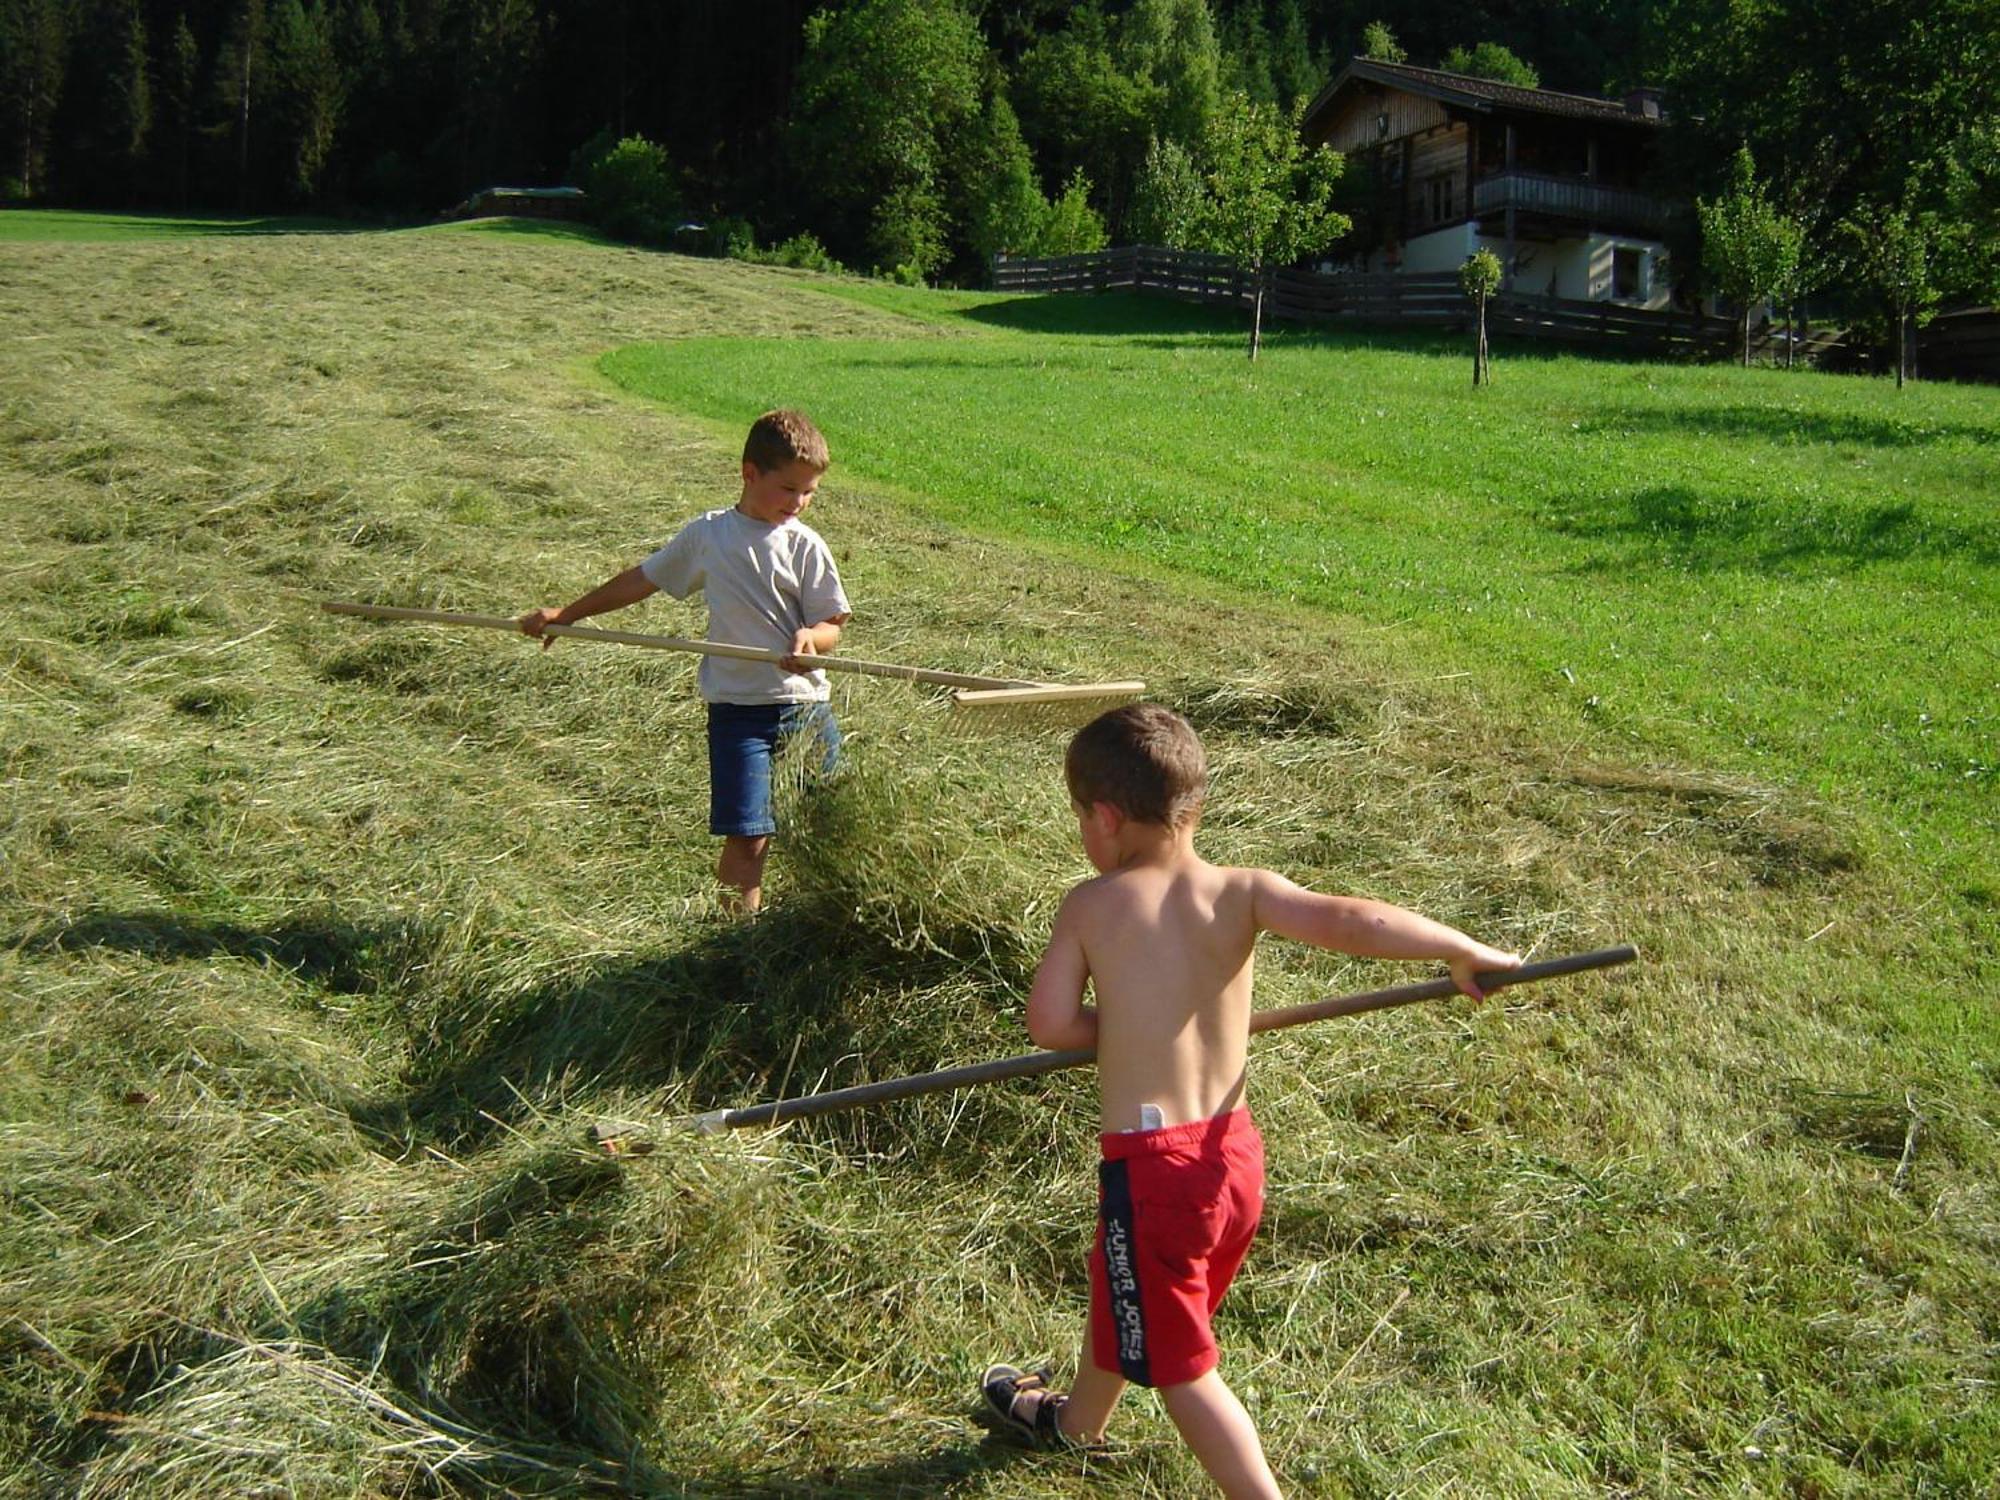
966 680
620 1137
1044 693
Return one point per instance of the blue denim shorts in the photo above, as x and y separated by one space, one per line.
743 740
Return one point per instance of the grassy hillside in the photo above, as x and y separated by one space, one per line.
323 943
1798 579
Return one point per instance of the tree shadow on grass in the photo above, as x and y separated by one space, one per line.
1786 425
1680 527
1154 320
1109 315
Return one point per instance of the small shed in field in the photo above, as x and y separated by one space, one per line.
521 203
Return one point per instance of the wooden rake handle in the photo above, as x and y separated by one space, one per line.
675 643
1032 1064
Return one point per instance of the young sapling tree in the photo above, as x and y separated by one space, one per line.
1479 277
1750 246
1268 196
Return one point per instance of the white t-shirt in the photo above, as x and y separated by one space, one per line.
763 584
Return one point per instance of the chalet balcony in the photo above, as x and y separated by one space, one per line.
1569 198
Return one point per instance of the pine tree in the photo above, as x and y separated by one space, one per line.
1169 46
1004 210
180 68
133 93
306 92
240 73
32 64
1296 71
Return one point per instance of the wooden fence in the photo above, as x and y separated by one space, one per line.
1961 346
1432 300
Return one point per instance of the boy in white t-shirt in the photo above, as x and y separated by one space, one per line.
769 581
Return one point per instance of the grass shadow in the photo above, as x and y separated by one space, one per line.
539 1434
540 229
342 956
1709 531
1791 425
789 1004
28 225
741 1012
1155 320
720 1016
1108 315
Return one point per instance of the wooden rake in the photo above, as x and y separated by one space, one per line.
971 690
620 1138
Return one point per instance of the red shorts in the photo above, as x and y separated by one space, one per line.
1176 1209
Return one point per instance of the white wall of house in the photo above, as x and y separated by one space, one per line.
1583 269
1588 269
1440 250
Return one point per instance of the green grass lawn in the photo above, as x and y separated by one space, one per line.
1791 576
322 943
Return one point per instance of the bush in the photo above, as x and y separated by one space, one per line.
1167 198
805 252
802 252
724 237
1072 226
632 192
731 237
583 161
908 234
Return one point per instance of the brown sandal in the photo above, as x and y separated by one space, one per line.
1022 1400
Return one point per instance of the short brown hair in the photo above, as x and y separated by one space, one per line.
1142 759
781 437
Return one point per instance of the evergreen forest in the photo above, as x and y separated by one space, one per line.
919 137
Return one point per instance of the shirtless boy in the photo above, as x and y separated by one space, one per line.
1164 941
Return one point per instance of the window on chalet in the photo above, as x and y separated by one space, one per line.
1628 272
1442 204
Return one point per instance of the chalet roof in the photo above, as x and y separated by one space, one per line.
1482 95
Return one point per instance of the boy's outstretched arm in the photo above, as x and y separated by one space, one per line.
629 587
1371 929
1057 1017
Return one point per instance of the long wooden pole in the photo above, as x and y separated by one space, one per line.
680 643
1032 1064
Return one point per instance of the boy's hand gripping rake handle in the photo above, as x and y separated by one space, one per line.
679 643
1034 1063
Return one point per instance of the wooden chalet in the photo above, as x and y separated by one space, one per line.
1550 182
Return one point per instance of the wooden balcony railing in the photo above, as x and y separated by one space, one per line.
1569 198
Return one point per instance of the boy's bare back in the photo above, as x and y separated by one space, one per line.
1168 951
1165 939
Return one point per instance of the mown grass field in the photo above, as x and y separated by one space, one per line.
324 943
